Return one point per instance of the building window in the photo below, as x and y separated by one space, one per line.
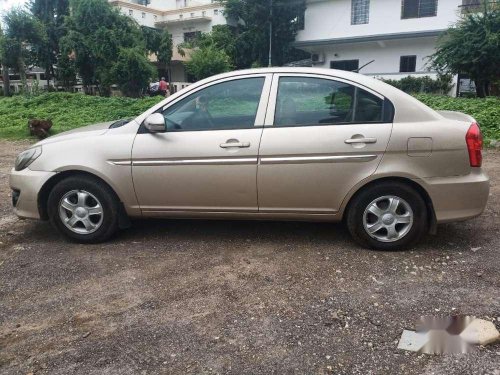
216 12
204 13
418 8
181 16
130 12
192 15
143 15
471 6
407 64
349 65
156 17
360 12
191 36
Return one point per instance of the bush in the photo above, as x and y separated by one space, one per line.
485 111
66 110
206 62
413 85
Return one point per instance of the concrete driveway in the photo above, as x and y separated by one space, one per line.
210 297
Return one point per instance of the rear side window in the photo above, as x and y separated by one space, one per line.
305 101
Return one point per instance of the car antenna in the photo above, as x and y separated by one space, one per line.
368 63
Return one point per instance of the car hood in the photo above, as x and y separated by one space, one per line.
85 131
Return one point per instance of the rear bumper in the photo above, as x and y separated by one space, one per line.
458 198
26 185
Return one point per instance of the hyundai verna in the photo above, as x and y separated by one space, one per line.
280 143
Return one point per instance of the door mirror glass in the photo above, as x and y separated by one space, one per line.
155 123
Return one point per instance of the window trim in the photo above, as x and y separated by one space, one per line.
387 108
261 109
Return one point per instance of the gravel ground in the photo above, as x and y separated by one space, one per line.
220 297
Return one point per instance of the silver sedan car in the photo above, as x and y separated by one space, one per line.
271 144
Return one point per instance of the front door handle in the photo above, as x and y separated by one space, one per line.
230 144
360 140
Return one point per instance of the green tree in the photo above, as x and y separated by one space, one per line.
96 33
22 31
252 31
208 61
472 47
3 66
132 71
159 42
222 37
51 14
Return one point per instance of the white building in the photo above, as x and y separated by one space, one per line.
385 38
184 19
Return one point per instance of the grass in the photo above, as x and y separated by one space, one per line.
68 111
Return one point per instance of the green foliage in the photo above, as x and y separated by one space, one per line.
158 42
206 62
472 47
97 33
251 44
22 32
131 71
51 14
485 111
222 37
67 111
413 85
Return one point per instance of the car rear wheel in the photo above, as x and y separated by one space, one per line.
84 209
387 216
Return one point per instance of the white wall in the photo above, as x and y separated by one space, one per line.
326 19
149 19
386 55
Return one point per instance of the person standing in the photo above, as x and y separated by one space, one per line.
163 87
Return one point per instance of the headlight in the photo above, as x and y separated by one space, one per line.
27 157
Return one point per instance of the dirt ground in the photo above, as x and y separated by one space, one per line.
220 297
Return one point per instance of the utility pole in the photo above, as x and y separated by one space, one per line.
271 34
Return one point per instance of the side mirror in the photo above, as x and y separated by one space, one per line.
155 123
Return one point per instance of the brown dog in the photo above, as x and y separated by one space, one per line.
40 128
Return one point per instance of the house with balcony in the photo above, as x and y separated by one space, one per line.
184 20
388 39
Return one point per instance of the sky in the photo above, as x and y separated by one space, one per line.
7 4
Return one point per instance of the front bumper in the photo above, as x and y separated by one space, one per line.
460 197
26 185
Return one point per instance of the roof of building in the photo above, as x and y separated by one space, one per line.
369 38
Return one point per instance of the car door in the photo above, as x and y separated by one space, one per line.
322 136
206 161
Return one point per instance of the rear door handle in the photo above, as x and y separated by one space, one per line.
235 144
360 140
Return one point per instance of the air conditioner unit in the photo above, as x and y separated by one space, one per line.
317 58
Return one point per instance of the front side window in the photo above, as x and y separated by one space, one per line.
227 105
418 8
360 12
305 101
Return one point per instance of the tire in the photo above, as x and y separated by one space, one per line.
399 229
90 226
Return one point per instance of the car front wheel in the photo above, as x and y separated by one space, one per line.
84 209
387 216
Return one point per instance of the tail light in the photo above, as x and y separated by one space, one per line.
474 140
